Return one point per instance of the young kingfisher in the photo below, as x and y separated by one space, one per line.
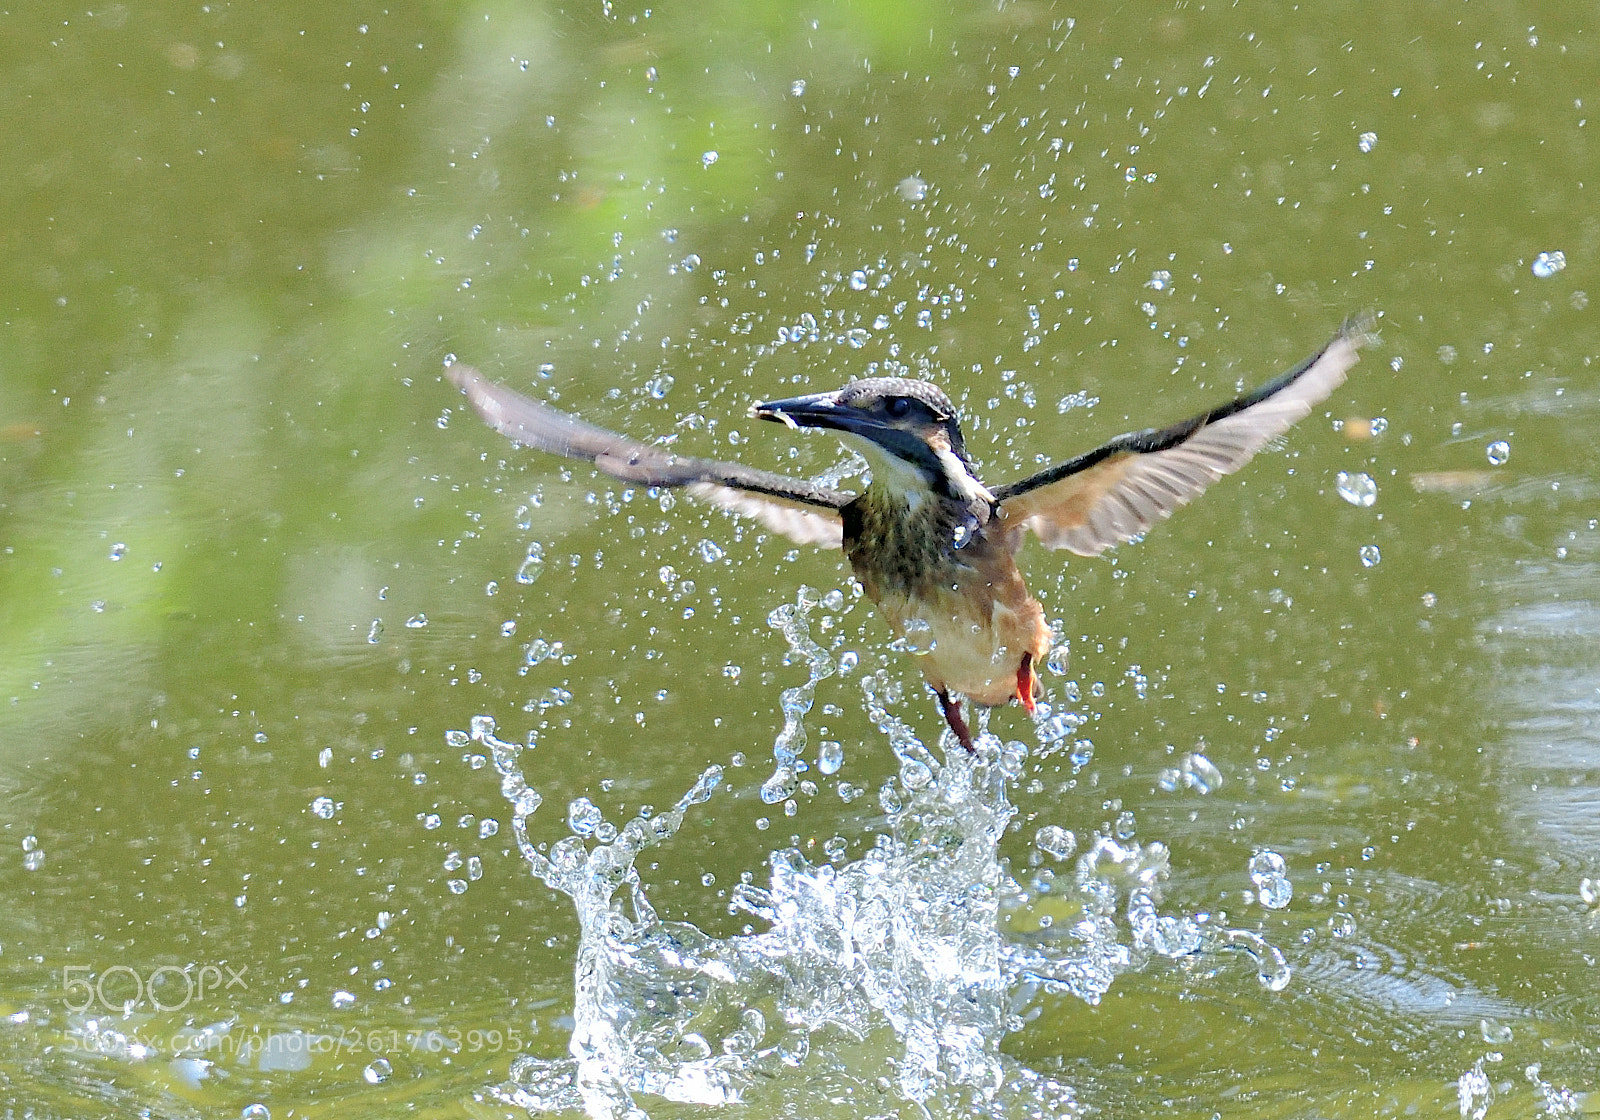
932 545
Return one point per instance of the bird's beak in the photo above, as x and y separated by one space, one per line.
816 410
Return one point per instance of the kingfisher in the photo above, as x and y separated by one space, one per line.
932 545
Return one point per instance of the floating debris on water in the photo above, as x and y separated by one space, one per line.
1450 482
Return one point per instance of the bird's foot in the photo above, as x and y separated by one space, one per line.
952 716
1027 682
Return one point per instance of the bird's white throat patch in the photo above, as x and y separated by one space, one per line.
906 481
890 472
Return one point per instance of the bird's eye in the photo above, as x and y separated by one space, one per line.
898 406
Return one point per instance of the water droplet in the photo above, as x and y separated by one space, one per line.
323 807
1160 280
830 757
917 639
1268 873
1060 660
1013 757
708 158
1367 141
1499 452
781 786
583 816
1196 772
342 999
1358 489
377 1072
417 622
1369 555
911 189
118 551
1082 754
858 280
915 774
1547 264
1494 1032
797 88
709 551
532 564
1056 842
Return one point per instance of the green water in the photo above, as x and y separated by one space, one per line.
256 559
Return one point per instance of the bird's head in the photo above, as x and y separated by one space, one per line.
908 430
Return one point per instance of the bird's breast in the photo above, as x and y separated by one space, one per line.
965 610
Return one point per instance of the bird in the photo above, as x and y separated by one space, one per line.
931 544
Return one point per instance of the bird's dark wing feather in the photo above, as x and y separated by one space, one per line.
804 513
1118 491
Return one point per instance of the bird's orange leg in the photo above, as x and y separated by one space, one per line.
952 716
1027 682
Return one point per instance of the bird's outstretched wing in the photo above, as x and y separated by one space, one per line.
804 513
1118 491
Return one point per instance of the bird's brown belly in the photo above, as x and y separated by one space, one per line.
965 613
967 644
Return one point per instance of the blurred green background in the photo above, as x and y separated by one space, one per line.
256 558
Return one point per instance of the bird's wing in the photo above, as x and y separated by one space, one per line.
804 513
1118 491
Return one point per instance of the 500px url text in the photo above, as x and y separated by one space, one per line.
285 1042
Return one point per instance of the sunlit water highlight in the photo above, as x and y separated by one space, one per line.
917 959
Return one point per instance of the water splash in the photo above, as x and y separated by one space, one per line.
897 973
792 620
634 1025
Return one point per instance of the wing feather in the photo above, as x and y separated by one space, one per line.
801 511
1120 490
